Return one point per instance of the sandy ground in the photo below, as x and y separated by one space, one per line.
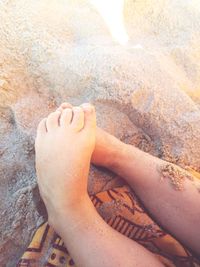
147 93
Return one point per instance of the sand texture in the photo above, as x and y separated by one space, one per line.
147 93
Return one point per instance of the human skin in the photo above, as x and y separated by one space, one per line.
64 145
177 211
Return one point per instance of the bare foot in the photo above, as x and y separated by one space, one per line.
107 147
64 145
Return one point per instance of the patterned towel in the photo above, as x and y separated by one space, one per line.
121 209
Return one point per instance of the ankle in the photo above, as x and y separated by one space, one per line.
72 215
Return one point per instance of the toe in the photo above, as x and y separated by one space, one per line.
66 117
53 120
64 106
42 129
90 115
78 118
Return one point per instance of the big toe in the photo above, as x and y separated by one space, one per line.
90 115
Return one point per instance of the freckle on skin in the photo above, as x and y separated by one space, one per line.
176 175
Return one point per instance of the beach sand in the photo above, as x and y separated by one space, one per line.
147 92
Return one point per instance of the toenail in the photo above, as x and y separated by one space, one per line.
87 106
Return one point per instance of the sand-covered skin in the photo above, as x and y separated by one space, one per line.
146 93
175 175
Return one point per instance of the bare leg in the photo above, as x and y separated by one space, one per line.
170 194
64 145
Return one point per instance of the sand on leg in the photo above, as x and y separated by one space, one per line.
171 194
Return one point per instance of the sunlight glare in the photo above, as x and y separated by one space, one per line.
112 13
